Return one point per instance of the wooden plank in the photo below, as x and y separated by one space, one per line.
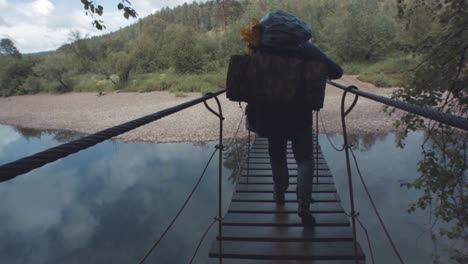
289 147
245 219
253 160
293 181
288 208
321 188
290 197
263 261
265 151
291 172
269 180
266 155
286 234
290 166
265 140
286 250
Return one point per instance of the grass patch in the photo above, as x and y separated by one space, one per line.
388 72
177 83
91 83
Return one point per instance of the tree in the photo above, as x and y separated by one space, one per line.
56 68
440 80
122 65
83 53
181 49
359 30
8 48
13 75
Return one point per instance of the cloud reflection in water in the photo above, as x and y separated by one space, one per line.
107 203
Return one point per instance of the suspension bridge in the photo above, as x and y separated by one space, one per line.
255 229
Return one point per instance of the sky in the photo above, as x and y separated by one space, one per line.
44 25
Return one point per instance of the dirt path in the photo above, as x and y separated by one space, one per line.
88 113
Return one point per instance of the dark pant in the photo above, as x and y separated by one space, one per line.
302 146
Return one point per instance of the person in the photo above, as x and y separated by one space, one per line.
280 123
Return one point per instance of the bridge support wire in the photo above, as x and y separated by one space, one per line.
155 244
387 234
347 148
220 147
248 156
344 113
316 146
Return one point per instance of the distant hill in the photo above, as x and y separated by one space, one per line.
161 50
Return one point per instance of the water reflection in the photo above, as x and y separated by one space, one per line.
235 155
359 141
384 167
7 137
61 136
105 204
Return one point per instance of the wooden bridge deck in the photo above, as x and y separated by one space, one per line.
256 230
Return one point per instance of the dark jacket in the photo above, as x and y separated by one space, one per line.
287 120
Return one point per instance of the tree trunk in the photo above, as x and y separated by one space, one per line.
65 87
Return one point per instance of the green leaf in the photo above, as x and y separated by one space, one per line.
99 24
100 10
126 15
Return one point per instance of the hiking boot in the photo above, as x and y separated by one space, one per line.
308 220
279 197
306 216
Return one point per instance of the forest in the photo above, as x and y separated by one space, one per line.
187 48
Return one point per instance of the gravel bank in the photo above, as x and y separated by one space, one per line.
88 113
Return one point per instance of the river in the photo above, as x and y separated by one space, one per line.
109 203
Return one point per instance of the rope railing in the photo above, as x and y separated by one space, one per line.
444 118
13 169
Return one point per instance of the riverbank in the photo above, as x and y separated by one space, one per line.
89 113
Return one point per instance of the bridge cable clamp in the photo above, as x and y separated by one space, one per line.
354 214
349 146
220 147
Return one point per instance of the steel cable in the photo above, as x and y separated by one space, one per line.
201 240
444 118
234 140
329 140
180 210
387 234
356 216
11 170
368 239
215 220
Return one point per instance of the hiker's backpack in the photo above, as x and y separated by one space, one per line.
276 79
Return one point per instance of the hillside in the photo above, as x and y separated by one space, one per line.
186 48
